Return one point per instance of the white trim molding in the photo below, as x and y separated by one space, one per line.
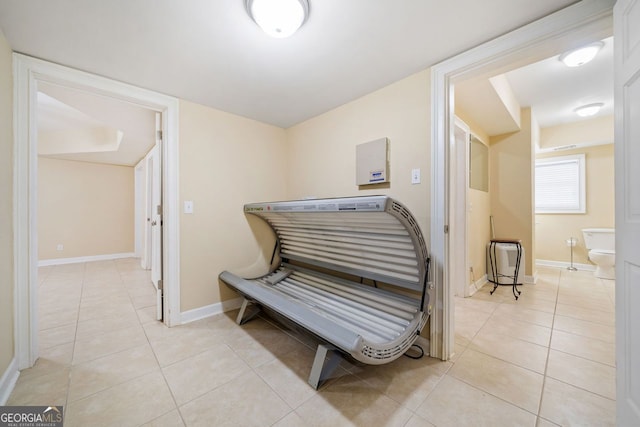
8 381
587 20
474 287
570 147
28 72
563 264
62 261
210 310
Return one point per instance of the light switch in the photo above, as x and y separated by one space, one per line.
188 206
415 176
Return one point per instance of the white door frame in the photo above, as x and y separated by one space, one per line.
570 27
156 217
27 73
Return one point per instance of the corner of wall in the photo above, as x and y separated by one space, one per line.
8 381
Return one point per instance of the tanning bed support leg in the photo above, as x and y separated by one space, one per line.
326 361
253 312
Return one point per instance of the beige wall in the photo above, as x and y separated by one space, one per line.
598 130
78 140
553 229
225 162
511 162
86 207
321 151
479 232
6 205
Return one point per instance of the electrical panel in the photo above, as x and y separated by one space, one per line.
372 162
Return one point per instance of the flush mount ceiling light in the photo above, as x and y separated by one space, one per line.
589 110
278 18
582 55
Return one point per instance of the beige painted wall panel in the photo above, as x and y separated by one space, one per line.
479 231
86 207
553 229
6 205
321 151
598 130
475 128
511 186
502 87
225 162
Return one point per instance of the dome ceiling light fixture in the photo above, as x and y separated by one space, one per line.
581 55
588 110
278 18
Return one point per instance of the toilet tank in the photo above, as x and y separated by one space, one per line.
600 238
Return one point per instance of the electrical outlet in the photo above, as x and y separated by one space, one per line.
415 176
59 247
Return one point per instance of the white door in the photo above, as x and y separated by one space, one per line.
626 15
156 217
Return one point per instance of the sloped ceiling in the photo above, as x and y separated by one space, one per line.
76 125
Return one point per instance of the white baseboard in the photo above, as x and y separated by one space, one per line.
210 310
561 264
8 381
107 257
474 287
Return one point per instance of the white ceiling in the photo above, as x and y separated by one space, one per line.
551 89
212 53
554 90
56 116
66 110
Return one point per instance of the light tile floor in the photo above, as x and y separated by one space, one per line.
546 359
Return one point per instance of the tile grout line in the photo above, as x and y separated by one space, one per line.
546 365
164 378
93 360
75 337
499 303
86 271
492 394
254 369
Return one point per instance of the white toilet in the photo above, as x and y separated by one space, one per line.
601 243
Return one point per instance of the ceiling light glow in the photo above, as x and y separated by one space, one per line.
589 110
581 56
278 18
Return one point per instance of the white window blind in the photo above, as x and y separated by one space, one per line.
560 184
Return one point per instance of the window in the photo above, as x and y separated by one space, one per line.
560 184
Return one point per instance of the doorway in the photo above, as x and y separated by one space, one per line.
29 73
570 27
